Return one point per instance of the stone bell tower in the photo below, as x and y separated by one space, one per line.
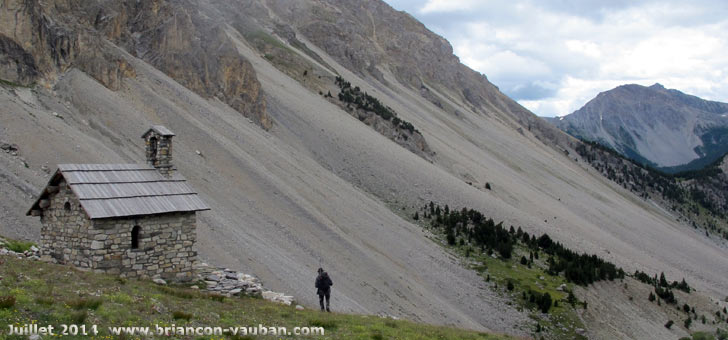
158 142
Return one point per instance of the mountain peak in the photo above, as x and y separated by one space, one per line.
665 128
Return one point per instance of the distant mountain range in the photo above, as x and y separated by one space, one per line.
660 127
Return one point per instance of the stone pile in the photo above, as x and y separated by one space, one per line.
232 283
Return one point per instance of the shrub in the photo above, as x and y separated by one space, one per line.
178 292
7 301
45 300
669 324
19 246
181 315
688 322
510 285
651 297
78 317
216 297
84 303
721 334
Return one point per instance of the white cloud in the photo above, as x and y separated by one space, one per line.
448 5
555 56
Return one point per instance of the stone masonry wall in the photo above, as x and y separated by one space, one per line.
64 233
166 241
166 246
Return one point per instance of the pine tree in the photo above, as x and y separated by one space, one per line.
571 299
663 282
545 302
416 217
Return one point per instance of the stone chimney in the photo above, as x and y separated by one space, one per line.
158 144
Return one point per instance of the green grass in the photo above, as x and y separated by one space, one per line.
526 279
561 321
701 336
267 39
18 246
78 297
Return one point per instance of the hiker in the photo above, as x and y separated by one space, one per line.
323 286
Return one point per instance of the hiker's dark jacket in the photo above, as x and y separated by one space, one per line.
323 283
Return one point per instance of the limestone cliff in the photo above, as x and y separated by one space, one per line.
45 39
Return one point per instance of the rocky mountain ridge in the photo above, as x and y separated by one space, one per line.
653 125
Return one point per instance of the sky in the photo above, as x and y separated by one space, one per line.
553 56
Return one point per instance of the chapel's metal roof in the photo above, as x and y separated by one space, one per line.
117 190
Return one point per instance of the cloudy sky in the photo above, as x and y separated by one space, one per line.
553 56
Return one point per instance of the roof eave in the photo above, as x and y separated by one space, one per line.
43 192
141 215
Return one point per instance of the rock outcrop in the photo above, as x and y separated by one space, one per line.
45 39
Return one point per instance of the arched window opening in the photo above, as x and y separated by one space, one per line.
135 237
67 206
153 148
